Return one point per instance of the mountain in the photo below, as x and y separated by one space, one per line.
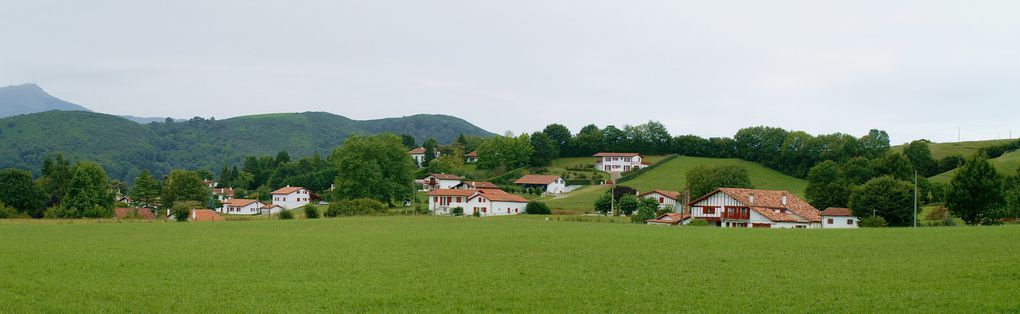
124 147
30 98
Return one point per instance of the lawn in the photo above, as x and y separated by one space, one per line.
512 264
581 200
672 175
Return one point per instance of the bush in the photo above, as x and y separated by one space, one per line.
311 212
285 214
699 223
457 211
56 212
475 213
873 222
181 213
356 207
537 208
7 212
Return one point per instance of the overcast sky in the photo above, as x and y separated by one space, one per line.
918 69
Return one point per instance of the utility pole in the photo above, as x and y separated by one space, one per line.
612 197
957 134
915 198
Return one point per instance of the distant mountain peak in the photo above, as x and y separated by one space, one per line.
30 98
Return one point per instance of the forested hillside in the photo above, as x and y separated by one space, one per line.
124 148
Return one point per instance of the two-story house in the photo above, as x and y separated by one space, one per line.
618 162
749 208
418 154
486 202
547 183
292 197
240 206
666 199
435 181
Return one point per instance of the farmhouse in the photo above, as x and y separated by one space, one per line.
471 157
240 206
223 194
839 218
747 208
477 185
435 181
548 183
666 199
615 162
486 202
418 154
668 219
292 197
204 215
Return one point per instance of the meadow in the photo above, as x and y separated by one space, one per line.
521 263
1007 164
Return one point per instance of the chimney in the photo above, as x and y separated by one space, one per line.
750 198
783 199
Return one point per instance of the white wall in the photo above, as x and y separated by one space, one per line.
839 222
619 163
251 209
293 200
664 202
481 204
557 187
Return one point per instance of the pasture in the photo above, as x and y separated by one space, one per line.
672 175
513 264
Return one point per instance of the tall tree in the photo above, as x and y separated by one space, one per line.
376 167
282 157
56 175
88 192
896 165
875 144
588 141
858 170
146 189
183 186
505 151
18 191
827 187
919 155
544 149
409 142
431 147
704 179
887 197
975 193
559 134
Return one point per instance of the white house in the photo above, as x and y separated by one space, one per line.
487 202
471 157
272 209
223 194
435 181
548 183
209 183
240 206
748 208
292 197
666 199
839 218
668 219
615 162
418 154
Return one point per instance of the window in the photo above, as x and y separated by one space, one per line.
850 222
662 199
708 210
830 221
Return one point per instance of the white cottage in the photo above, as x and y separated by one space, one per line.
548 183
418 154
240 206
223 194
618 162
666 199
748 208
487 202
471 157
434 181
292 197
839 218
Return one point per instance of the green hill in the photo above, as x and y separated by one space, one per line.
124 148
1006 164
30 98
965 149
671 176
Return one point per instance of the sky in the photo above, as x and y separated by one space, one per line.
917 69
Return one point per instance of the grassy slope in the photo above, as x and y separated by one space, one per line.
1006 164
504 264
965 149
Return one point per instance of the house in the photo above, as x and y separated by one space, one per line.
477 185
209 183
749 208
471 157
136 213
617 162
292 197
240 206
205 215
486 202
418 154
668 219
439 181
271 209
839 218
223 194
666 199
548 183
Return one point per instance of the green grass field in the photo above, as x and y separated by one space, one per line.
513 264
672 175
965 149
1006 164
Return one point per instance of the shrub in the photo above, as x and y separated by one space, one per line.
56 212
7 212
476 213
699 223
355 207
873 222
311 212
285 214
457 211
537 208
181 213
937 214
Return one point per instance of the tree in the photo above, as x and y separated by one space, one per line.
975 193
56 175
19 192
375 167
628 204
88 192
587 142
408 140
544 149
896 165
537 208
505 151
604 204
920 157
431 147
704 179
646 210
311 212
282 157
858 170
827 187
887 197
146 189
875 144
183 186
559 135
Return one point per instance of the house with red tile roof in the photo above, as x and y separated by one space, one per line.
240 206
549 183
750 208
223 194
668 219
486 202
618 162
471 157
418 154
204 215
477 185
839 218
435 181
291 197
666 199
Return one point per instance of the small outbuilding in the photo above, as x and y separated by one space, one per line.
549 183
839 218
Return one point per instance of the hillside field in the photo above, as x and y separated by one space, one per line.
965 149
508 264
1007 164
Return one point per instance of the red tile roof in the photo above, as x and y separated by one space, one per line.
239 202
417 151
473 153
205 215
501 196
227 191
836 211
669 218
673 195
481 185
143 213
536 179
616 154
766 202
444 176
452 192
287 190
